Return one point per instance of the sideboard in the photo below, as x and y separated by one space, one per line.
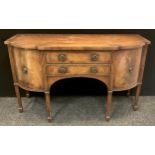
39 60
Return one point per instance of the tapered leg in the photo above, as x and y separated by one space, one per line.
128 92
108 110
19 101
27 93
48 106
135 105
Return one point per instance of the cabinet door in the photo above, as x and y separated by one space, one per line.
126 66
28 65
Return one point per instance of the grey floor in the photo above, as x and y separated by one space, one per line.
78 110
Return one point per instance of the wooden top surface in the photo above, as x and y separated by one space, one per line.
77 41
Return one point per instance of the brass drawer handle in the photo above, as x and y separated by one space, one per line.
130 69
24 70
93 70
94 57
62 57
62 70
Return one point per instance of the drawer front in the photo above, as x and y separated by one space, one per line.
78 57
75 69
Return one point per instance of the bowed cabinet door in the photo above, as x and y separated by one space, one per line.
126 66
29 66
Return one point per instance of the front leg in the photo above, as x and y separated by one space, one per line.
108 108
135 105
48 105
19 101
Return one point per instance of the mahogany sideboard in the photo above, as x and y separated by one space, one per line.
39 60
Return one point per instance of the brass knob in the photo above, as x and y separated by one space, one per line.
94 57
93 70
130 69
62 70
61 57
24 70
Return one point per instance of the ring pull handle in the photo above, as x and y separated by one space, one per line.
62 57
130 69
94 57
93 70
24 70
62 70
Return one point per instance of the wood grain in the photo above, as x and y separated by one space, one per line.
77 41
126 68
28 66
78 69
40 60
78 57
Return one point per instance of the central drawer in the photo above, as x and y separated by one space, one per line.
77 69
78 57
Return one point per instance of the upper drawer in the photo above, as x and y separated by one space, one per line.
78 57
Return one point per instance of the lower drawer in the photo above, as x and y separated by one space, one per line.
76 69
